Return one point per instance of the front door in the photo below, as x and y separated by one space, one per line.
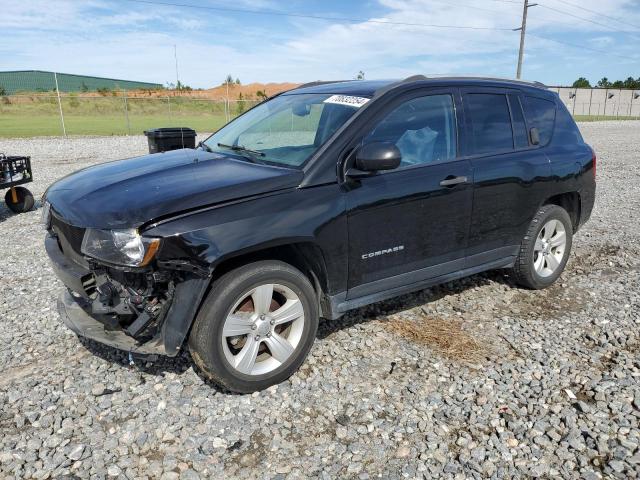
410 224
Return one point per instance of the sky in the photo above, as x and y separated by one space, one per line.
135 40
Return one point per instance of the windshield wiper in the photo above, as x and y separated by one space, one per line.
240 148
204 146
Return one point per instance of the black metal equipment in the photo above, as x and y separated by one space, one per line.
15 171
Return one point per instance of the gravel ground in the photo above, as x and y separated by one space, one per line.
475 378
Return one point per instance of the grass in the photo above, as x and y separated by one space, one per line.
600 118
35 116
445 336
49 125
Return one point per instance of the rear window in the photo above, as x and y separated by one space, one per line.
541 114
490 122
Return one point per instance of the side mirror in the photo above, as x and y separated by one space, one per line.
534 136
378 156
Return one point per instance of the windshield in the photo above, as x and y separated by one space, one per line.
286 130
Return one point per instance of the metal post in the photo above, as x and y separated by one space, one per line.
523 30
228 102
590 101
126 113
64 129
175 54
575 97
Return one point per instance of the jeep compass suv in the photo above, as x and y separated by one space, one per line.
320 200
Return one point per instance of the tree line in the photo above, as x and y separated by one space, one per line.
632 83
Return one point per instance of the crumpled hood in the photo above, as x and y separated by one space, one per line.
128 193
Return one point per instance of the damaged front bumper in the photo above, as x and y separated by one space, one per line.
148 313
73 311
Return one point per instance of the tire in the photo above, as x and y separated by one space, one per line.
543 255
240 303
25 200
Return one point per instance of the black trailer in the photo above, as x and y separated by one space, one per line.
16 171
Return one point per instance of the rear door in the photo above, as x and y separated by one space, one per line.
510 175
411 223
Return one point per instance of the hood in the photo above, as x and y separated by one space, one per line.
128 193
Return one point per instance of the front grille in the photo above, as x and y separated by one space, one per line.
67 234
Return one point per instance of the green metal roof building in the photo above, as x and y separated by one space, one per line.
39 81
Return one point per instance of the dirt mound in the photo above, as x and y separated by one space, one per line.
249 91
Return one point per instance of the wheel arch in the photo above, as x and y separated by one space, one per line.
571 202
306 256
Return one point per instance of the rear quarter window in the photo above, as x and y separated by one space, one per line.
567 132
541 114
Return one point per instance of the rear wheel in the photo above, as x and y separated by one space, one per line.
256 326
23 201
545 248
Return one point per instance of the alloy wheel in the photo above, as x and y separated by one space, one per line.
549 248
263 329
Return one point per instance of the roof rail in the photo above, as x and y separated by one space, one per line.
517 80
418 78
411 79
318 82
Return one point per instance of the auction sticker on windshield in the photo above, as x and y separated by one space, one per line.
347 100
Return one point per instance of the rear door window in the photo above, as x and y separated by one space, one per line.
541 114
520 137
490 122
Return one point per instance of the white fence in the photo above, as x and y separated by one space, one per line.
600 102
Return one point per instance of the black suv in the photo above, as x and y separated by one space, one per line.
320 200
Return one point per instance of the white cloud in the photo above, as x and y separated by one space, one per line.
127 40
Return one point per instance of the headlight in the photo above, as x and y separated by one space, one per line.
45 217
119 247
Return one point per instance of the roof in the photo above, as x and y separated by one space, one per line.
370 88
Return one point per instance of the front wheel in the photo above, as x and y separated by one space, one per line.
256 326
545 248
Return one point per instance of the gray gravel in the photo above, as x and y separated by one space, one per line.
475 378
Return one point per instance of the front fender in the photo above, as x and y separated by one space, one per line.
314 215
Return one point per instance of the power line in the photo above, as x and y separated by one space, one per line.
315 17
583 47
474 7
382 22
598 13
564 12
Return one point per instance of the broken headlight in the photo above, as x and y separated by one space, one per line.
45 217
119 247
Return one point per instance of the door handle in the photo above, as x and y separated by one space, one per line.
452 181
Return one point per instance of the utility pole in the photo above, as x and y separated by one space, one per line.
523 30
